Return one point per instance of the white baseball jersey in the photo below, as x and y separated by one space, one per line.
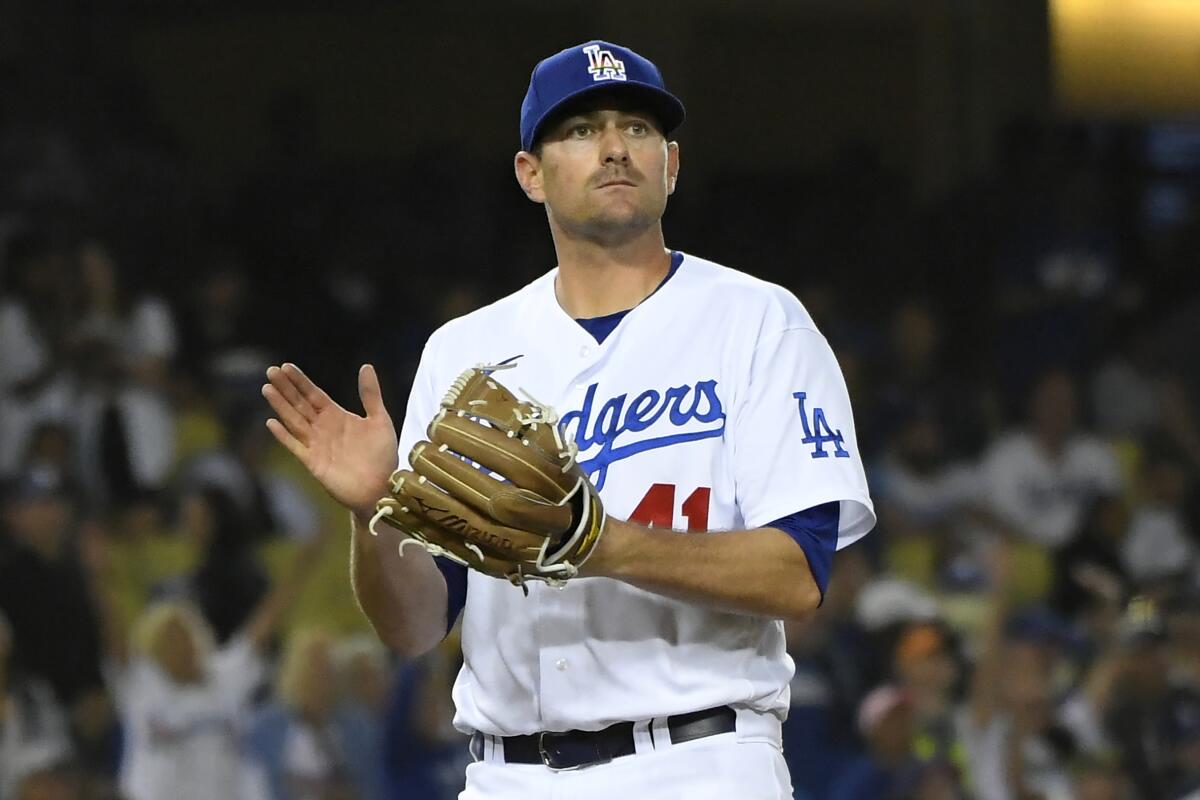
182 741
715 404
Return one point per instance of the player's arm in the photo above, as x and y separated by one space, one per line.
405 599
352 456
763 572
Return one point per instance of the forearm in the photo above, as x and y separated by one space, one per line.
759 572
404 598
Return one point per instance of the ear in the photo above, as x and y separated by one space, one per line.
672 166
528 169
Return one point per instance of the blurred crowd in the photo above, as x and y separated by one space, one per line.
174 607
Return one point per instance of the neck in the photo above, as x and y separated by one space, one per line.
599 278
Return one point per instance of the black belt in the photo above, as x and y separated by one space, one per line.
574 749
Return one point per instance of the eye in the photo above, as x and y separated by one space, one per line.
580 130
639 128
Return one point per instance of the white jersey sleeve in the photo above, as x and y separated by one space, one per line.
794 445
423 400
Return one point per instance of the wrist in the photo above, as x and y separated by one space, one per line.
610 552
365 511
360 519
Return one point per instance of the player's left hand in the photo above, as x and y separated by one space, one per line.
541 519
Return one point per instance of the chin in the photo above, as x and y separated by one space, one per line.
625 218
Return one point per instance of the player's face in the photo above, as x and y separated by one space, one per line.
604 173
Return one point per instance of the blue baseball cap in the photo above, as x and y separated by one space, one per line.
591 67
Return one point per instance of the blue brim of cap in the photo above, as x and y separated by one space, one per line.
666 106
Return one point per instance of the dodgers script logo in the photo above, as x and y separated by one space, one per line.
603 65
617 418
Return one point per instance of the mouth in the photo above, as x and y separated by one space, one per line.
608 184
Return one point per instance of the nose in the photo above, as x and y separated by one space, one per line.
613 147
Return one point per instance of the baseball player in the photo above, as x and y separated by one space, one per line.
711 429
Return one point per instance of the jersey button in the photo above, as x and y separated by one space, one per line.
561 664
585 351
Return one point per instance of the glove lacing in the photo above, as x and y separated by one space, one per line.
539 413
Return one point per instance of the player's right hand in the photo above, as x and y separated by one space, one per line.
351 456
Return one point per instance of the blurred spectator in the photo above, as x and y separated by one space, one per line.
1099 779
1041 479
926 502
35 315
311 744
364 675
831 653
926 669
920 488
885 720
1125 399
147 561
424 754
886 601
1182 736
33 728
915 382
54 783
1015 743
1160 548
229 581
124 345
223 345
1090 577
1148 715
1179 423
183 701
51 449
1183 636
43 591
270 503
935 780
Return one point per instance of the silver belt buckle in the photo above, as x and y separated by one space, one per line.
541 742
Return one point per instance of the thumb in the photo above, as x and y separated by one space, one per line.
369 393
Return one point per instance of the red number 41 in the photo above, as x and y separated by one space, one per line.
657 508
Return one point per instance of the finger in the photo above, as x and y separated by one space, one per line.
290 392
292 419
314 394
293 445
369 392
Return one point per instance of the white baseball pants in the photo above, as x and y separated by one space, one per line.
713 768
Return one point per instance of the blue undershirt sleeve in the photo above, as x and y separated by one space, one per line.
816 531
456 588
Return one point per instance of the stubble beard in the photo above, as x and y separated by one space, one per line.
611 227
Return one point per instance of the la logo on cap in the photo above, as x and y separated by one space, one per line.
603 65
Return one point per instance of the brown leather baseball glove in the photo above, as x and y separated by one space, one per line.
496 488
